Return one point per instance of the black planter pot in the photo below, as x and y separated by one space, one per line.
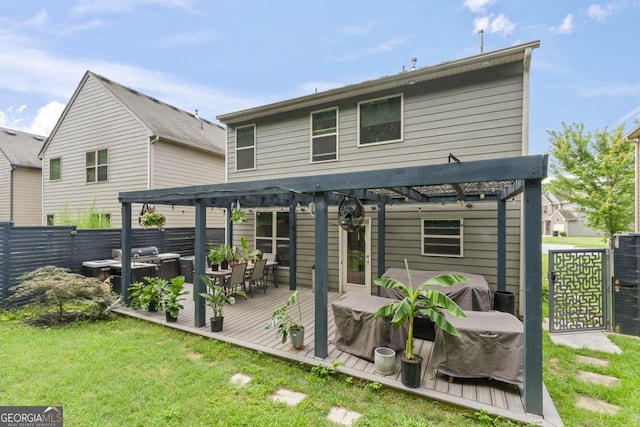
224 264
170 318
214 267
216 324
152 307
410 371
504 301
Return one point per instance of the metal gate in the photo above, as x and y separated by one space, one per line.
577 290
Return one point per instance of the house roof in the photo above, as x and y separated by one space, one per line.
21 148
566 215
635 133
405 78
164 121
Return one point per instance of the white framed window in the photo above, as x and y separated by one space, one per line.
443 237
324 135
97 166
55 171
50 219
272 234
381 120
246 147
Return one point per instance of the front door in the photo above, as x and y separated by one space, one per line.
355 259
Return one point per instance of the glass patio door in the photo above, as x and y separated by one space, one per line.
355 259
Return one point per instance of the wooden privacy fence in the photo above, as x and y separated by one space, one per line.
23 249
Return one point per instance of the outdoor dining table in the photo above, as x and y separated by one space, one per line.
220 275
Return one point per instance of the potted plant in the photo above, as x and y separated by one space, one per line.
217 255
218 297
238 216
422 300
170 298
286 325
246 253
151 217
147 294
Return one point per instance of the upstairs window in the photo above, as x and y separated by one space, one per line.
246 147
54 169
96 166
442 237
324 135
380 120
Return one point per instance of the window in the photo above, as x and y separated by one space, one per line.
324 135
380 120
272 234
246 147
96 163
442 237
54 169
50 219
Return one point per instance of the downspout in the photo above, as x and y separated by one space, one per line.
11 184
526 79
152 140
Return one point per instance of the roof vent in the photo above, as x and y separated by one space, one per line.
10 132
413 63
38 138
133 91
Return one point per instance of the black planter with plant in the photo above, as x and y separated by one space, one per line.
171 296
146 294
286 326
218 298
217 255
425 301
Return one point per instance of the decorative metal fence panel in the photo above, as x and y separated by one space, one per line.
577 290
23 249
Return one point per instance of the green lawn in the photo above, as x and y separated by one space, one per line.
127 372
581 242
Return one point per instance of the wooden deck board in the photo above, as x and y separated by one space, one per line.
244 325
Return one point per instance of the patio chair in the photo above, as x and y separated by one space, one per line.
258 275
270 257
237 277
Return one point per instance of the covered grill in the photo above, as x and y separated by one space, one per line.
147 254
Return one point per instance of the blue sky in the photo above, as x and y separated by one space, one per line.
219 57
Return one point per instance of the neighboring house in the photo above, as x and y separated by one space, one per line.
111 138
20 177
562 217
471 109
634 136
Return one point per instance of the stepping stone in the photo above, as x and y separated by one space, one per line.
596 405
239 380
289 397
593 361
343 416
592 377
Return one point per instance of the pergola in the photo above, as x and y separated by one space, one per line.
496 181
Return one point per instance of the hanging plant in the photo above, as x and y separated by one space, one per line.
150 217
237 215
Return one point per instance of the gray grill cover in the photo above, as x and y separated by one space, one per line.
490 345
358 332
474 294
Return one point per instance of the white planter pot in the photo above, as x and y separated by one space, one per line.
385 361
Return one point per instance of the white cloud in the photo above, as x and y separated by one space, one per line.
38 20
499 24
358 30
476 6
566 27
599 13
384 47
46 118
616 89
120 6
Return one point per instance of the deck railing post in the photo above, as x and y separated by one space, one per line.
321 286
199 262
125 242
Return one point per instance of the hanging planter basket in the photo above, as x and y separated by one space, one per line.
149 218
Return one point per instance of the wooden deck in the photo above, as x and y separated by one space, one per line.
244 326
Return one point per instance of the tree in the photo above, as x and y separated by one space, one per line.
595 170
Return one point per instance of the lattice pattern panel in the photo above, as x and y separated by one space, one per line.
577 290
